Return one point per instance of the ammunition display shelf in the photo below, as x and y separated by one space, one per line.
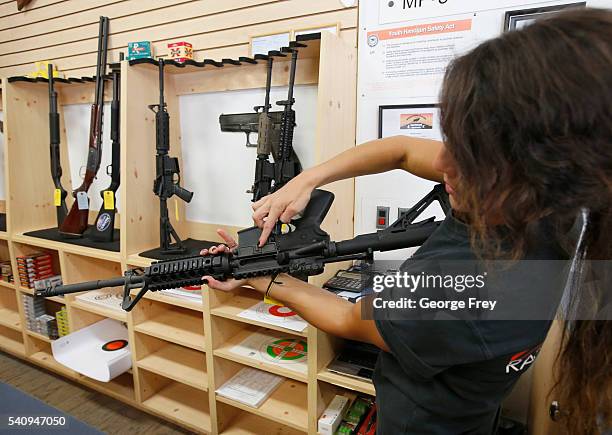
180 348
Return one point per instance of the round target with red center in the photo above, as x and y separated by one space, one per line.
193 288
287 349
114 345
281 311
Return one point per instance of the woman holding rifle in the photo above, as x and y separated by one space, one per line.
527 123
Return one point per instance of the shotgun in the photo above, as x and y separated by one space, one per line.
60 194
103 230
75 223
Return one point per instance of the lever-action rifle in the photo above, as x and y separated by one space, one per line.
60 194
301 252
274 129
105 222
75 223
167 178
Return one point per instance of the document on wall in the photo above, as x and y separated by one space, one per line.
411 60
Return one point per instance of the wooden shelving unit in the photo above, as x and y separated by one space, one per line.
180 348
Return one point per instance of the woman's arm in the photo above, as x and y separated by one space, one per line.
399 152
320 308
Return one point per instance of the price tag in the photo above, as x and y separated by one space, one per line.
82 201
271 301
176 214
109 200
57 197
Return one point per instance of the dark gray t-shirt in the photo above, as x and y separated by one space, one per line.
450 376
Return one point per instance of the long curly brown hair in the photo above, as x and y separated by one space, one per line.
528 119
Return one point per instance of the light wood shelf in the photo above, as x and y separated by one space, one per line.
38 336
182 404
287 405
121 387
11 341
68 247
178 363
10 319
225 351
246 423
184 329
100 310
179 347
233 306
362 386
6 284
160 296
29 291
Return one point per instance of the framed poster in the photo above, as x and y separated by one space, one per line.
516 20
415 120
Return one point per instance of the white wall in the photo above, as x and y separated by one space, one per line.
397 188
217 166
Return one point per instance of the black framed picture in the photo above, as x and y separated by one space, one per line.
416 120
516 20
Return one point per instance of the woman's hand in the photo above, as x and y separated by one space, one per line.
282 205
229 246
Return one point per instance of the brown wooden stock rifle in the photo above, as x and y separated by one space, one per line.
75 223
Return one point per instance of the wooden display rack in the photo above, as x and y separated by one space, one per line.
179 347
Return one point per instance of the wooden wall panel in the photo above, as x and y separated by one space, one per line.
65 32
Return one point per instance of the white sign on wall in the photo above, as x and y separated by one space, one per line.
393 11
412 59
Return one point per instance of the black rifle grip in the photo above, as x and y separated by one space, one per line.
317 208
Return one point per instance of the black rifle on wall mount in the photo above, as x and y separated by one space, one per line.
76 222
167 177
275 135
302 252
104 228
60 194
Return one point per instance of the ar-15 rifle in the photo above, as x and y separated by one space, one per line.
105 222
286 163
302 252
165 185
60 194
272 129
75 223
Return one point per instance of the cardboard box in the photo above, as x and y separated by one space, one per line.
332 416
139 50
180 51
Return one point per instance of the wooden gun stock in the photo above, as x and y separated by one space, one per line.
76 222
